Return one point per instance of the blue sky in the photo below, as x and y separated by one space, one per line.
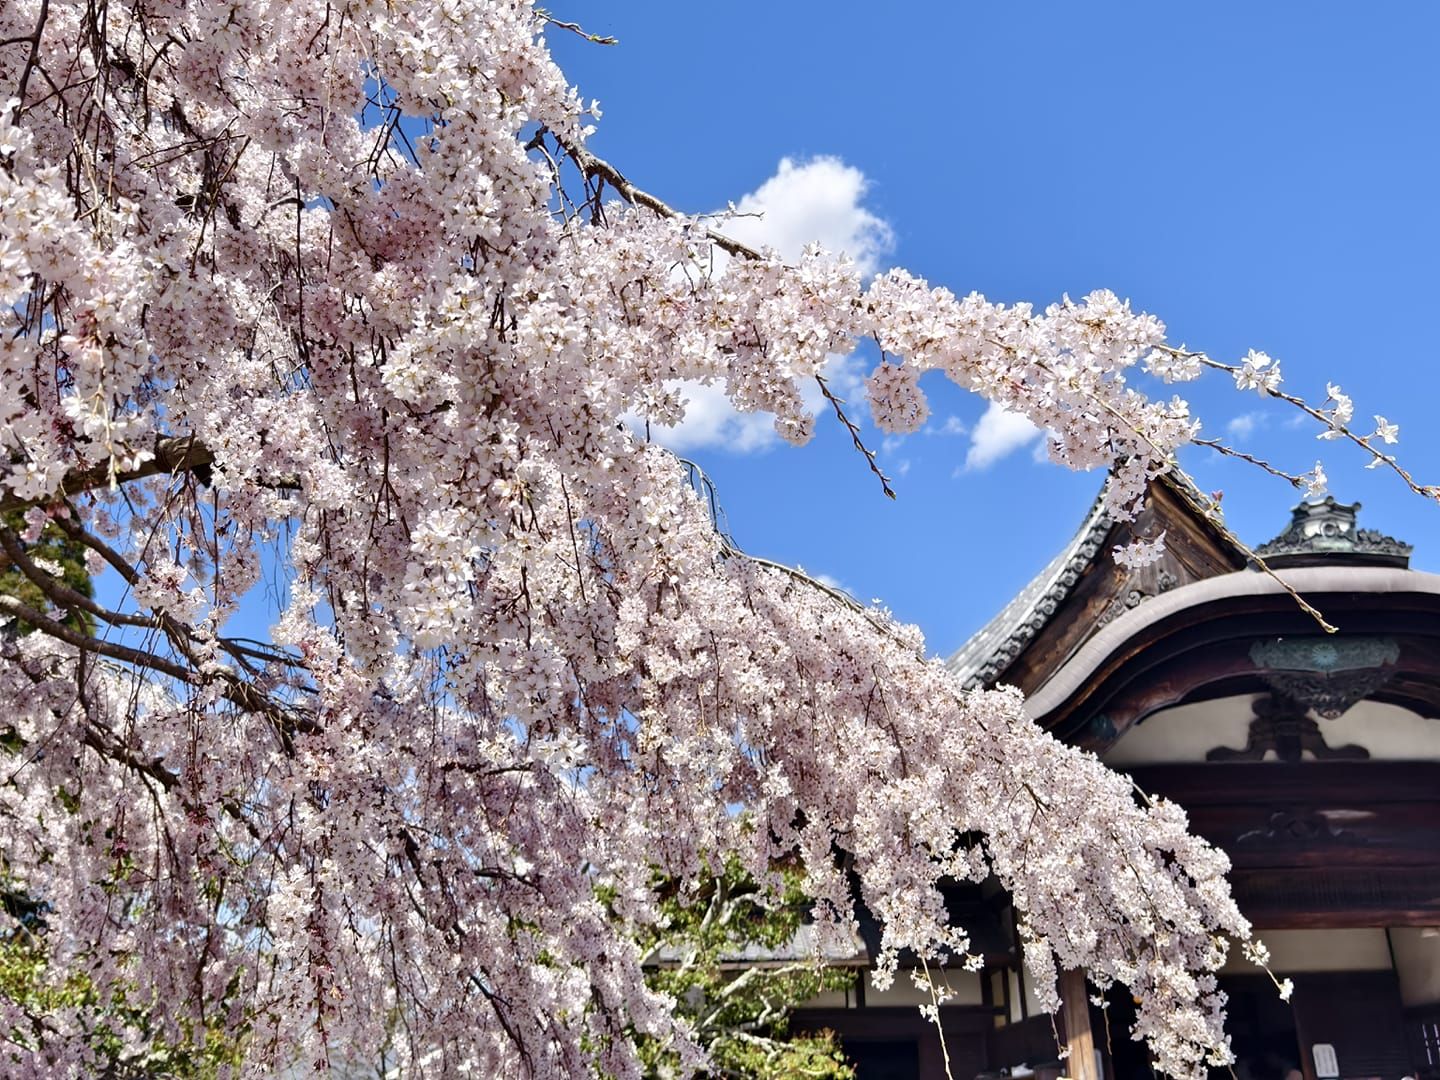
1259 176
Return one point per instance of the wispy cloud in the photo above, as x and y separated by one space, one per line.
1246 424
710 420
951 425
998 434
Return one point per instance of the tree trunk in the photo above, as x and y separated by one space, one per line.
1075 1006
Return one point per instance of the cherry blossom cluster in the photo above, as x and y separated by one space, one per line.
290 310
1259 372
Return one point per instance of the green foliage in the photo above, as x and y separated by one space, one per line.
119 1032
740 1011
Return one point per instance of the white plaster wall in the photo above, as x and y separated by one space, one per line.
1184 733
1187 732
903 992
965 984
1389 732
1016 1007
1032 1003
1417 963
1293 951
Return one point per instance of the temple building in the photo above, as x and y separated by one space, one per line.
1311 758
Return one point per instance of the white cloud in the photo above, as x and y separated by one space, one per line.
897 467
1245 425
809 202
711 421
953 425
815 201
998 434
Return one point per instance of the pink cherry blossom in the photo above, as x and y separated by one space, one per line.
294 304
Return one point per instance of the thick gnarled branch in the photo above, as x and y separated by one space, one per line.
172 455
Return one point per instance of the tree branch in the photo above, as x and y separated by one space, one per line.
836 404
30 61
61 594
576 28
56 629
172 455
594 167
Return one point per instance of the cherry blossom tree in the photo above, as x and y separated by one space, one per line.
333 294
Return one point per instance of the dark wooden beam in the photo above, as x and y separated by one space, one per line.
1318 845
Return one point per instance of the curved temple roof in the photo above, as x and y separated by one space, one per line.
1172 505
980 660
1321 532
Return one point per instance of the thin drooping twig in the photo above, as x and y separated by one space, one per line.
1217 522
593 167
1213 515
1260 463
1429 491
836 403
704 486
30 61
1173 465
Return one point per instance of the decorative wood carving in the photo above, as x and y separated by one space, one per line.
1319 897
1303 825
1280 724
1326 674
1326 843
1144 583
1064 609
1324 655
1329 695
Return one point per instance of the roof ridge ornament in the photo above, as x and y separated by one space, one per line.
1326 531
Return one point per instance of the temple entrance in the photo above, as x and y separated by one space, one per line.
1262 1031
1129 1060
1261 1027
889 1059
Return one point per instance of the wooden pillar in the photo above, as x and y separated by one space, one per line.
1075 1008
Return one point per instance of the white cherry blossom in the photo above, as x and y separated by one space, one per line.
294 305
1258 372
